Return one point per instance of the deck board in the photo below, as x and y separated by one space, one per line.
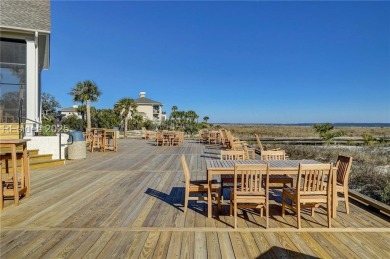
129 204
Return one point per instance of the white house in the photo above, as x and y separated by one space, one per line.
149 109
71 111
24 53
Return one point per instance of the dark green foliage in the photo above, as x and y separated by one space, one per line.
325 131
322 128
105 118
49 106
185 121
74 123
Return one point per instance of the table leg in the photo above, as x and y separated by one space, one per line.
26 170
15 175
209 201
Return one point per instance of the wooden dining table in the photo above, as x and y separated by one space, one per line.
12 144
277 167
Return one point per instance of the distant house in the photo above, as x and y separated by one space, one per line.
71 111
24 52
150 109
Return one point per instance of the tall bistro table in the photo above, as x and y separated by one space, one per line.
25 177
290 167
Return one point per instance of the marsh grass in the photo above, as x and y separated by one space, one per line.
370 172
248 131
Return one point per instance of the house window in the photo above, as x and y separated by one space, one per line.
156 109
12 79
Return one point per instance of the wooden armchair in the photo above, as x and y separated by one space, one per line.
197 187
313 187
343 165
248 190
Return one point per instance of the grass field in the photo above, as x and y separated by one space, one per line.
300 131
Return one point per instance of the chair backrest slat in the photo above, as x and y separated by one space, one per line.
232 155
344 164
312 178
273 155
250 177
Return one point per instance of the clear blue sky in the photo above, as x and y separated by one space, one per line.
236 62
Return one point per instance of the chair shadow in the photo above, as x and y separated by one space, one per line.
176 199
212 157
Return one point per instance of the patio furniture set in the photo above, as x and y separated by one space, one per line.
250 181
101 139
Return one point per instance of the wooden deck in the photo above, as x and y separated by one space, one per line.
128 204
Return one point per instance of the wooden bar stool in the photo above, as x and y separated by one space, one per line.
8 184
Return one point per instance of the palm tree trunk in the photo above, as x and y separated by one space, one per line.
125 133
88 115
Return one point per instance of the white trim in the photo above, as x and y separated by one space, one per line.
19 29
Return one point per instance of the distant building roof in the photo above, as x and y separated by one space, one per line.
26 15
70 109
144 100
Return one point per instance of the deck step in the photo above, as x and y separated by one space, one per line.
47 163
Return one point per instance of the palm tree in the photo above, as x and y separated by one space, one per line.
125 107
86 91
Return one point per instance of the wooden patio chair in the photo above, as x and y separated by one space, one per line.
249 153
248 190
198 187
260 145
96 141
223 139
229 155
213 137
343 165
313 187
277 179
144 133
160 139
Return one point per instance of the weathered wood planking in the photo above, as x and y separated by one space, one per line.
128 204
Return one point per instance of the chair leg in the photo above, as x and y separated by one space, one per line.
186 202
283 205
235 214
346 200
231 204
312 211
298 214
329 210
218 197
222 188
267 214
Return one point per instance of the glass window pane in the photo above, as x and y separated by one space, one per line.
12 80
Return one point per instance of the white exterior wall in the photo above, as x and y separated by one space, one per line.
148 110
32 84
49 145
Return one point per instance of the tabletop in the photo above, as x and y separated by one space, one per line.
13 141
227 164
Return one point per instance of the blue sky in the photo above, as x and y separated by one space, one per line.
235 62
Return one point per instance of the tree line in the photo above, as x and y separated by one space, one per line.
123 115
